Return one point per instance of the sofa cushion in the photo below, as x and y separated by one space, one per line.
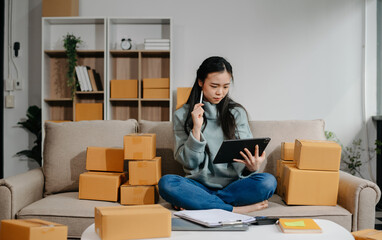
285 131
65 144
165 144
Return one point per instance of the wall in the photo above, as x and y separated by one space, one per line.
295 59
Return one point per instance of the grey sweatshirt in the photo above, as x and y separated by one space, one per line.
192 154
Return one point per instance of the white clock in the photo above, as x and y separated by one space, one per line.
126 43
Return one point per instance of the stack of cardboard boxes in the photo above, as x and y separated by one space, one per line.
311 177
156 88
105 176
144 169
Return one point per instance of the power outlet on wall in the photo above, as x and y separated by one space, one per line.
8 82
18 84
9 101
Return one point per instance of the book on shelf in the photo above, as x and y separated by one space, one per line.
87 79
157 44
92 79
299 225
80 78
157 47
98 81
157 40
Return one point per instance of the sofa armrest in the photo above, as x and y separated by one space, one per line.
359 196
18 191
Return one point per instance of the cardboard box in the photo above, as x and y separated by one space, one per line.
139 146
146 172
367 234
59 8
156 93
280 174
124 88
138 195
156 83
287 151
317 155
309 187
182 94
100 185
132 222
88 111
104 159
32 229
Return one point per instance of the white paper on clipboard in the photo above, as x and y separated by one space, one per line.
214 217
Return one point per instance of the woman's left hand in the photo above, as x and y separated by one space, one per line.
252 162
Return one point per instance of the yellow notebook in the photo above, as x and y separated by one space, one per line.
299 225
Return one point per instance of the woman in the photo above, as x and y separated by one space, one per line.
200 126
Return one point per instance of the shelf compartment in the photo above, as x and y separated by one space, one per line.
124 66
155 64
124 109
60 110
155 110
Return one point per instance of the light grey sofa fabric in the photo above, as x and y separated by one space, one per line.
65 149
357 197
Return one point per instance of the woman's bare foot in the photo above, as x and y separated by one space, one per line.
177 208
251 208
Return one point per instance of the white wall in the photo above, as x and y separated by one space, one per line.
295 59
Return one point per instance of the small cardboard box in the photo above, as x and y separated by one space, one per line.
124 88
287 151
309 187
139 146
102 186
156 83
317 155
145 172
104 159
182 94
156 93
59 8
367 234
88 111
138 195
32 229
132 222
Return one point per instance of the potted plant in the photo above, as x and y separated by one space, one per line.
71 43
33 124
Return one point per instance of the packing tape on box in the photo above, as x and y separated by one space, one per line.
45 227
137 140
142 182
137 155
142 164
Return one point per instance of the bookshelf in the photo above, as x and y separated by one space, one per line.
100 50
138 64
57 102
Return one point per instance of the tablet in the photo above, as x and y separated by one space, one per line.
230 149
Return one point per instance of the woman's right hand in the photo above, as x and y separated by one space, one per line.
197 119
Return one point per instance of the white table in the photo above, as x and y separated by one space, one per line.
330 231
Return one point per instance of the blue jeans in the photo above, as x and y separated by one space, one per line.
191 195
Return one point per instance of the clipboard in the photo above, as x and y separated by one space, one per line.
215 217
230 149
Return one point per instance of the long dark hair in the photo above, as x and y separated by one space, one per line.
225 118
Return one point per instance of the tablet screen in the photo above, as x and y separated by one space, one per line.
230 149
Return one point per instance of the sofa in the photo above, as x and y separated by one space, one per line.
51 192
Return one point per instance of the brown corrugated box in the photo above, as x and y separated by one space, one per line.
287 151
138 195
139 146
280 174
104 159
124 88
317 155
309 187
132 222
156 83
32 229
59 8
367 234
89 111
145 172
100 185
156 93
182 94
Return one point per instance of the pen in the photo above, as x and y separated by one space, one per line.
201 97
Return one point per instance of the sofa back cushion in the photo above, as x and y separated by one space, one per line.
165 144
64 155
285 131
